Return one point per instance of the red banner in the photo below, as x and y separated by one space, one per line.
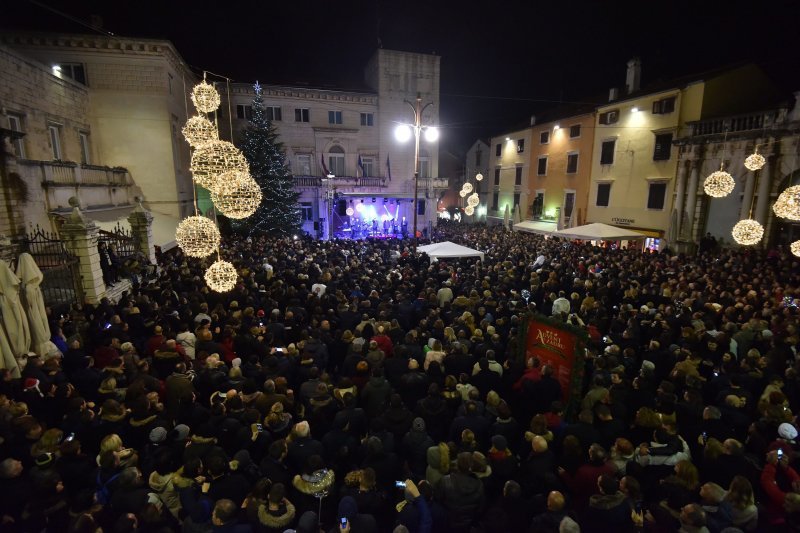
554 347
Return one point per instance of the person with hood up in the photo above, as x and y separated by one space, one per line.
608 510
461 493
438 458
416 444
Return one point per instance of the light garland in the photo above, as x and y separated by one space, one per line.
469 210
221 276
199 131
755 161
237 195
214 158
467 187
788 203
748 232
197 236
795 247
719 184
478 176
205 97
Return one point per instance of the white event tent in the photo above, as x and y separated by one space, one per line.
598 232
448 249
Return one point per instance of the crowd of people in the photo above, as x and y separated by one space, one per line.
354 386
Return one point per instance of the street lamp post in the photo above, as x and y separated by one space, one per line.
431 135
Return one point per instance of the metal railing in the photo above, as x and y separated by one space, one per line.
734 124
61 278
70 174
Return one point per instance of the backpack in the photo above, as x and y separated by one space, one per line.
103 492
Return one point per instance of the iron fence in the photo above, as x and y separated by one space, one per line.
61 284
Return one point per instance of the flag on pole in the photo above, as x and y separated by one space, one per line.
361 165
324 167
388 168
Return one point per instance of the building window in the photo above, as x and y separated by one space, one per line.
274 113
307 211
520 145
664 106
336 161
244 112
572 163
609 117
495 197
663 147
84 140
541 167
603 194
518 176
498 149
544 137
607 152
424 164
537 207
478 156
301 114
367 119
303 165
516 199
73 71
656 195
15 124
497 177
369 165
334 117
574 131
55 140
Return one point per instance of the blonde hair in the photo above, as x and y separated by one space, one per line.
444 458
740 493
111 443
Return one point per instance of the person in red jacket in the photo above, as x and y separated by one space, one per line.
583 484
384 342
778 479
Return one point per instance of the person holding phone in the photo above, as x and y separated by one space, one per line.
778 479
350 519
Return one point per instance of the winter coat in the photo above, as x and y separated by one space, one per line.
463 497
607 512
375 396
276 520
163 486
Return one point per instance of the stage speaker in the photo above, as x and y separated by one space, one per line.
341 208
420 207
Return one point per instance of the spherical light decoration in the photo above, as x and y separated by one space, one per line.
719 184
221 276
214 158
754 161
469 210
795 247
478 176
473 200
360 207
467 187
462 193
748 232
197 236
199 131
205 97
349 211
788 203
236 195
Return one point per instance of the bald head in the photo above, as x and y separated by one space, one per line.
555 501
539 444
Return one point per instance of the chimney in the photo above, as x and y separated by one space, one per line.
533 120
613 94
634 75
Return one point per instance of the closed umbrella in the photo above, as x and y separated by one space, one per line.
560 222
517 214
7 360
672 234
14 319
506 217
31 277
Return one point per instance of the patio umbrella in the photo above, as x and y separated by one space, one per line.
672 234
14 319
560 221
517 214
31 277
506 217
7 359
572 219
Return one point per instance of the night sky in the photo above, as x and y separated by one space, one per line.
501 61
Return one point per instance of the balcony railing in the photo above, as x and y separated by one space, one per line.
71 174
734 124
434 183
341 181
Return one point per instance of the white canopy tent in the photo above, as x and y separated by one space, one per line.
447 249
598 231
535 226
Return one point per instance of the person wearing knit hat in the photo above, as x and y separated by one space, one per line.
499 443
418 424
181 432
158 435
787 432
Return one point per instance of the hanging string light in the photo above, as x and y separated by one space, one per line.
473 200
197 236
755 161
237 195
748 232
795 247
205 97
214 158
469 210
788 203
467 187
199 131
478 176
221 276
719 184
